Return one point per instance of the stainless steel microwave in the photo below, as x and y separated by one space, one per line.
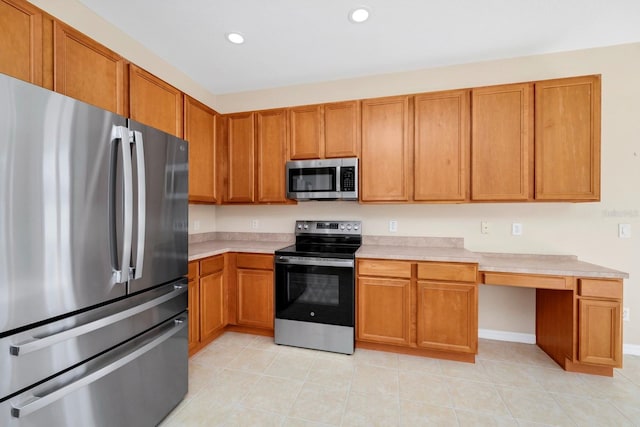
326 179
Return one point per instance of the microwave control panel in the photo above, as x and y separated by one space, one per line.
348 178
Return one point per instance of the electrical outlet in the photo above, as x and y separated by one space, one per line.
624 231
626 314
484 227
393 226
516 229
254 224
196 225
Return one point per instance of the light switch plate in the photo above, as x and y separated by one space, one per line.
393 226
516 229
484 227
624 231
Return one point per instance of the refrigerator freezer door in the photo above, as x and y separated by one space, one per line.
34 354
135 384
165 207
58 251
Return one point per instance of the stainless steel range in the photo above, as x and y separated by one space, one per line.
315 286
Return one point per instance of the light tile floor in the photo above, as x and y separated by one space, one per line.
247 380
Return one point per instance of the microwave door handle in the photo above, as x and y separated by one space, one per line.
338 179
142 203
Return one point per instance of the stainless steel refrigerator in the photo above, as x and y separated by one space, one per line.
93 254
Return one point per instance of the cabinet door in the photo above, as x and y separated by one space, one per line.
194 314
568 139
241 158
255 298
212 307
448 316
385 162
21 40
384 310
600 336
86 70
200 131
154 102
441 146
272 155
306 132
342 129
502 143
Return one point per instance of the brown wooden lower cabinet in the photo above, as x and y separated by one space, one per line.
212 306
384 310
207 301
194 305
395 308
447 316
600 340
255 298
254 282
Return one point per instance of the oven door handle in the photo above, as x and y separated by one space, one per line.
319 262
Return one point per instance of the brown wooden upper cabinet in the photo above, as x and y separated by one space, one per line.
568 139
200 130
154 102
325 131
256 155
88 71
241 156
441 146
271 140
21 40
502 143
386 150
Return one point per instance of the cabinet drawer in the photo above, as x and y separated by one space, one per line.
600 288
528 280
376 267
256 262
211 265
450 271
193 270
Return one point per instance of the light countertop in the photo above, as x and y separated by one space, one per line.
558 265
216 247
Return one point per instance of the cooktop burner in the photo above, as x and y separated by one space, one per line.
326 239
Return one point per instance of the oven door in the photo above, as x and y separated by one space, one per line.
318 290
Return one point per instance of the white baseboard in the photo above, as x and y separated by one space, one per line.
632 349
492 334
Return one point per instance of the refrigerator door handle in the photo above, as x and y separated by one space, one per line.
121 269
48 341
33 403
142 203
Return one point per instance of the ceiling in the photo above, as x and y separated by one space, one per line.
304 41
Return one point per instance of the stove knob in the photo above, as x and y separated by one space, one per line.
348 226
306 226
299 226
355 227
341 226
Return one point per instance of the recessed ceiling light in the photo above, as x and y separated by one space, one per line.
235 38
359 15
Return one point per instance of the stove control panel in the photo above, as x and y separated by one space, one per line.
329 227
